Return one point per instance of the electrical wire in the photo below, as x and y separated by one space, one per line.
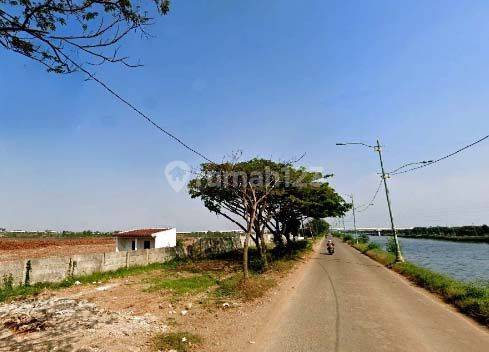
442 158
369 204
139 112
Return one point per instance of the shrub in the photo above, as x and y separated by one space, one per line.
8 282
372 245
390 247
347 238
363 238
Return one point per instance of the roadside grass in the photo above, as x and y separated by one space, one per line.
181 285
8 291
221 274
178 341
470 298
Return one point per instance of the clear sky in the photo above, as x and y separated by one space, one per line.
273 78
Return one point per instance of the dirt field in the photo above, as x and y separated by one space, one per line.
23 248
125 314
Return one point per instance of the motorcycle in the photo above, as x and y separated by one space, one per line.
330 250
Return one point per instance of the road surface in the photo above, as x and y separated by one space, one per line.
348 302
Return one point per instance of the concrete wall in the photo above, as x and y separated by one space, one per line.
55 269
125 244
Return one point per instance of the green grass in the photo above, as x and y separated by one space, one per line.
179 341
182 285
8 291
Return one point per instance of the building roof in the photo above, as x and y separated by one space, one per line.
140 232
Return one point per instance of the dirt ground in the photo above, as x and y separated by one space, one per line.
123 315
24 248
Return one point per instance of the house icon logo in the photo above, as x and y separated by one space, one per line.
177 174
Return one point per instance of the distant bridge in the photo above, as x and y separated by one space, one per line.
375 231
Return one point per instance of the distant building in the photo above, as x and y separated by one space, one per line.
145 239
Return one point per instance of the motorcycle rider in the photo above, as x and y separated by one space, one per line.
330 245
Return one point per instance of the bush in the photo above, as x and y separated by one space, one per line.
372 245
390 247
8 282
347 238
363 238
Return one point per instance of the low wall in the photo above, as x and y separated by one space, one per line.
55 269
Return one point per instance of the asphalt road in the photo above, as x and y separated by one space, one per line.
348 302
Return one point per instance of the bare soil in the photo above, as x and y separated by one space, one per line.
24 248
122 315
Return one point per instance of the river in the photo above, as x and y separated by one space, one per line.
461 260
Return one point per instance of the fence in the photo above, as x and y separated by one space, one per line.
55 269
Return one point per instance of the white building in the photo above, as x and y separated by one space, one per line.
145 239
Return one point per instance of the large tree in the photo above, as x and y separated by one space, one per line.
261 194
237 191
65 34
306 195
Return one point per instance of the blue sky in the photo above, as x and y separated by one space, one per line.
273 78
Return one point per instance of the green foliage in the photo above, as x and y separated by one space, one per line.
363 238
177 341
347 238
208 234
56 32
372 245
276 195
317 227
390 246
457 233
8 282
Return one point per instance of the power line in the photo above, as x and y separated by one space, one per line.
139 112
369 204
440 159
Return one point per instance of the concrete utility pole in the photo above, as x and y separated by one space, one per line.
354 218
378 149
399 257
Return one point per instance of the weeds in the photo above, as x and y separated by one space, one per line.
178 341
234 286
182 285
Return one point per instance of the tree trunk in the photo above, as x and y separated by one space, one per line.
245 255
263 251
256 239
